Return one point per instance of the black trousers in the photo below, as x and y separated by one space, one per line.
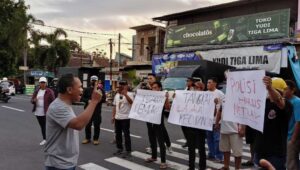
123 126
196 139
42 123
184 130
166 136
96 121
156 134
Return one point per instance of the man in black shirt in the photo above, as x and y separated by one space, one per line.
271 144
96 118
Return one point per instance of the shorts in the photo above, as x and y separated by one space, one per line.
232 142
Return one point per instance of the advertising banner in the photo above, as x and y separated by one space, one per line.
162 63
261 57
265 25
193 109
148 106
245 99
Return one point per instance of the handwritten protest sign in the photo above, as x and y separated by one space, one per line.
147 106
245 98
193 109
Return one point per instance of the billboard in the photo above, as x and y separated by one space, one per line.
265 25
163 63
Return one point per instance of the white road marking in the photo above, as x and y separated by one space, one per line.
173 165
175 145
12 108
109 130
92 166
126 164
21 98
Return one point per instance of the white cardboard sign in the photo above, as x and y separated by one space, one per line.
193 109
245 98
148 106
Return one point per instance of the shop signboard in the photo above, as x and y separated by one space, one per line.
162 63
267 58
265 25
29 89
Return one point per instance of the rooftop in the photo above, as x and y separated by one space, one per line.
145 27
204 9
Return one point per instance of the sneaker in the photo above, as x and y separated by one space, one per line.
248 164
96 142
211 158
43 142
86 141
113 141
218 161
169 150
148 150
127 154
118 152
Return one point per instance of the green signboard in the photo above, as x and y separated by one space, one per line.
266 25
29 89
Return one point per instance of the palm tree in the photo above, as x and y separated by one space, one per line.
58 51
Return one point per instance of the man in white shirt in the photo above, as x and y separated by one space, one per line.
122 105
213 137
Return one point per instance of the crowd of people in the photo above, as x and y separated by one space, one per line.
277 147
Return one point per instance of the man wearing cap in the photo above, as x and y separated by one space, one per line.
41 100
293 147
120 117
271 144
96 118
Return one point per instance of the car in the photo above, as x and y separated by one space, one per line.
10 86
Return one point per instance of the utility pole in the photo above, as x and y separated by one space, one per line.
81 49
119 50
110 64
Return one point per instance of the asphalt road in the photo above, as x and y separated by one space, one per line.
20 137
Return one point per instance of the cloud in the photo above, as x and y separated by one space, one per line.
109 14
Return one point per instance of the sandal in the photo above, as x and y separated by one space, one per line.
163 166
149 160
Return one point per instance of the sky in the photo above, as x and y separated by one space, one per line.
106 17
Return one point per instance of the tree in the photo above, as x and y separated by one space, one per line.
58 51
14 26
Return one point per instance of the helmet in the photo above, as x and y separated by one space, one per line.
94 78
278 84
4 79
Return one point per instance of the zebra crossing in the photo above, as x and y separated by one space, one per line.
178 160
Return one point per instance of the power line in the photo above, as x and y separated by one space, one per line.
96 46
81 32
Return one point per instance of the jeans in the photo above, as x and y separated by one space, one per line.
277 161
293 150
53 168
196 139
95 120
213 139
123 126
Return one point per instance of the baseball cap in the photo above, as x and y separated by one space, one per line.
94 78
43 79
278 84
